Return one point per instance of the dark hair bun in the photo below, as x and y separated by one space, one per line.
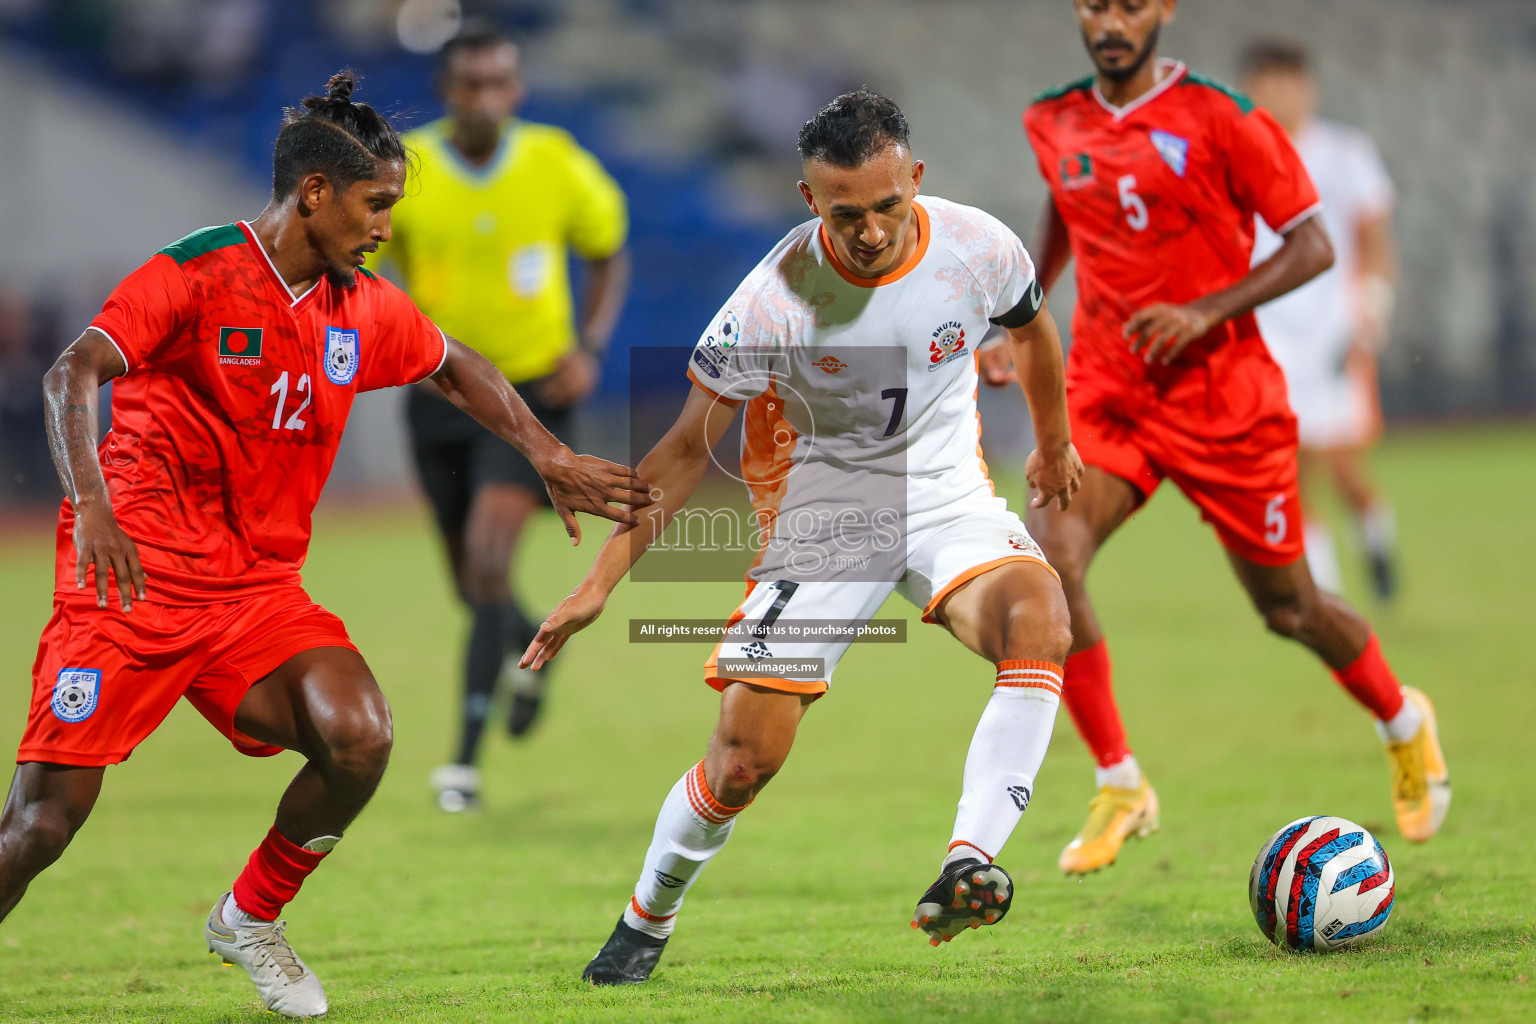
340 86
334 135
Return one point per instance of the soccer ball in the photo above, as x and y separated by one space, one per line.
1321 883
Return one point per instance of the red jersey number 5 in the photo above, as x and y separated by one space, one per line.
1135 209
1274 520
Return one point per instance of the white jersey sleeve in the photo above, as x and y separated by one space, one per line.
1372 185
1002 275
740 354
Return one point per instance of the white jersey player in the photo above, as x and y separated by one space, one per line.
862 429
851 348
1325 335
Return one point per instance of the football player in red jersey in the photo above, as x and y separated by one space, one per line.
237 353
1156 174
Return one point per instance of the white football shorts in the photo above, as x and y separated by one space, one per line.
941 557
1335 404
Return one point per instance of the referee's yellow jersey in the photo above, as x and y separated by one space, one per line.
483 250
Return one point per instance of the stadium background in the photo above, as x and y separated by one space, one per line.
131 122
126 123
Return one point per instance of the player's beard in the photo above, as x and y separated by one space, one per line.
340 276
344 275
1128 72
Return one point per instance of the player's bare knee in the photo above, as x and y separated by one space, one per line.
744 770
39 831
1284 616
480 583
1314 621
1057 638
752 768
1069 556
358 740
1039 629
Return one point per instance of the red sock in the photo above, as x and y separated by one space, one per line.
273 875
1370 681
1091 702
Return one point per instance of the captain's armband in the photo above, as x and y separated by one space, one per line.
1024 313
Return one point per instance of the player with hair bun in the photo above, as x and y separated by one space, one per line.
236 354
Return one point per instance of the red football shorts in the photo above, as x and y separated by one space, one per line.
1242 480
104 680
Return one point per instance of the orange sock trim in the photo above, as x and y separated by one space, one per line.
1016 672
634 905
963 842
703 801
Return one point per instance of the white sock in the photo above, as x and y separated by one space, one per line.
237 918
1006 750
1402 726
1378 528
691 828
1323 557
1123 774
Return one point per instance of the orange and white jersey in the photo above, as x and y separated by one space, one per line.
861 393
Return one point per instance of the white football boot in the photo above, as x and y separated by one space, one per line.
458 788
285 985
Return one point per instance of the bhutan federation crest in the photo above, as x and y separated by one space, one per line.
947 345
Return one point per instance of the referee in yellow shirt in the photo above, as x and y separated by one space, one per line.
482 242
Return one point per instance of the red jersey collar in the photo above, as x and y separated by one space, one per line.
273 275
1175 70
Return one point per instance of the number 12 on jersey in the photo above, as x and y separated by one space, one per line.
280 389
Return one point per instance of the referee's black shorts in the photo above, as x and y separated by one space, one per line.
456 456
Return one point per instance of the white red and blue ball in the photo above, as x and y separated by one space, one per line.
1321 883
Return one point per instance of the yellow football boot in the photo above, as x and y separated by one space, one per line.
1114 815
1421 783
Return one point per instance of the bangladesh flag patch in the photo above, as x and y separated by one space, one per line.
1076 171
240 345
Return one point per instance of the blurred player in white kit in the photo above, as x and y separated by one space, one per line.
1326 334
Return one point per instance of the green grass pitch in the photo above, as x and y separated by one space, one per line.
425 917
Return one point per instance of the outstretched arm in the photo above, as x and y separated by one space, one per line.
674 467
576 483
607 286
1162 330
1053 247
70 393
1376 280
578 371
1053 468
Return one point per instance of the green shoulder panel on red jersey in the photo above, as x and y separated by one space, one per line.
204 240
1243 102
1056 93
370 275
